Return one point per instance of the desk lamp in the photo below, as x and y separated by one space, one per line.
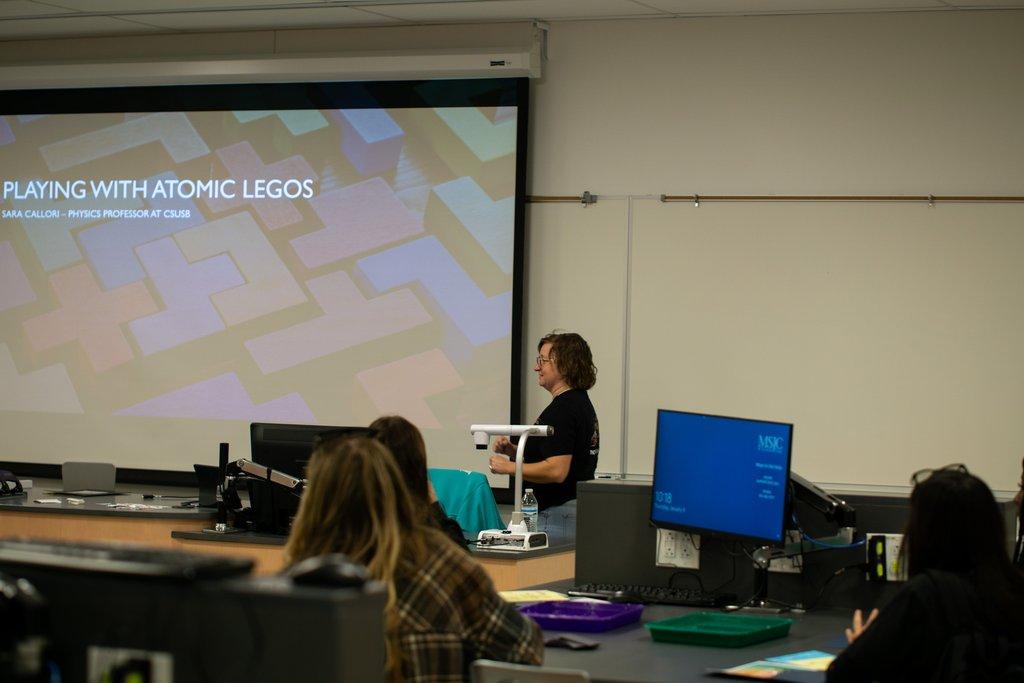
516 536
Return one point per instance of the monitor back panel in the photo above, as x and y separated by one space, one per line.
261 630
616 542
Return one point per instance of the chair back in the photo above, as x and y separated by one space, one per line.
487 671
467 498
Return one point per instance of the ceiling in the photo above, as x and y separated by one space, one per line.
26 19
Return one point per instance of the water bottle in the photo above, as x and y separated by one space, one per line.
530 510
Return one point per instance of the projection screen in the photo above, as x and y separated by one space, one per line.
177 262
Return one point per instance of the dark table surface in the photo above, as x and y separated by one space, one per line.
629 655
132 497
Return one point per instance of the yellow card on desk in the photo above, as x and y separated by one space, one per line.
531 596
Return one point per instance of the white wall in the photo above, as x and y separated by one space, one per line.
913 103
838 104
885 103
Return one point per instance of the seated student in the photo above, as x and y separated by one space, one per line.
442 610
405 442
963 602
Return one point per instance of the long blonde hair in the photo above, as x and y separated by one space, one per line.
357 503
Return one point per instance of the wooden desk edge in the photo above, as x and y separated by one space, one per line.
507 573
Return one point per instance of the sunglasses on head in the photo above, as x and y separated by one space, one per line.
923 475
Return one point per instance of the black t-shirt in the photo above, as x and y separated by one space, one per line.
576 433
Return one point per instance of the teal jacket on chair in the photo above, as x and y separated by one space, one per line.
467 498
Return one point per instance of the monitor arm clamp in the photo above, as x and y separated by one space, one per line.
249 469
237 473
832 508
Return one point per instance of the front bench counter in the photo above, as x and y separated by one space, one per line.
508 570
169 526
94 521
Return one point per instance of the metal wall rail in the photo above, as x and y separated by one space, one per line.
587 198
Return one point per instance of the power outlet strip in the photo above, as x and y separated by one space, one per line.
788 565
890 545
678 549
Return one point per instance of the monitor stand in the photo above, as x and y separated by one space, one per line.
221 526
759 602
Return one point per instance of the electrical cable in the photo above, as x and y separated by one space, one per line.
821 544
761 589
733 553
688 572
695 546
836 573
731 578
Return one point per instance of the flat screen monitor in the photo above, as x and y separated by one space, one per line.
287 447
725 476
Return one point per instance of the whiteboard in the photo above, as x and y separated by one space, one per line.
890 335
576 281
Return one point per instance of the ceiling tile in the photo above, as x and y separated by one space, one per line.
486 10
58 28
160 5
262 19
979 4
23 8
693 7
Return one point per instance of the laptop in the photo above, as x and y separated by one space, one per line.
84 479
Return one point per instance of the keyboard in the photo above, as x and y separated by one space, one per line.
122 560
688 597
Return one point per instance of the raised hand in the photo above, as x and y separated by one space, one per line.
859 625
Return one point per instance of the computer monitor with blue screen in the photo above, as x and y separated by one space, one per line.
726 476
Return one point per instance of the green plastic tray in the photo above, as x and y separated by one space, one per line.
715 629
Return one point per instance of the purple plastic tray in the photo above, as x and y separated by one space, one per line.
584 617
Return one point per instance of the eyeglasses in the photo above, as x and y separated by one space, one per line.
540 360
922 475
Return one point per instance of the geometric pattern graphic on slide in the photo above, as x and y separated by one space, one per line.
479 318
402 387
222 398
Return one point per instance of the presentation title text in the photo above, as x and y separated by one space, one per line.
160 188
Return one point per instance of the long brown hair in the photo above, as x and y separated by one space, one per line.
955 526
406 443
357 503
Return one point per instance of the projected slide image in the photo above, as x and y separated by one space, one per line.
162 272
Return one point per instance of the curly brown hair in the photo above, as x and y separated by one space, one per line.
572 358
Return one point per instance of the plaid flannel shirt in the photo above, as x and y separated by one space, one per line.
450 614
